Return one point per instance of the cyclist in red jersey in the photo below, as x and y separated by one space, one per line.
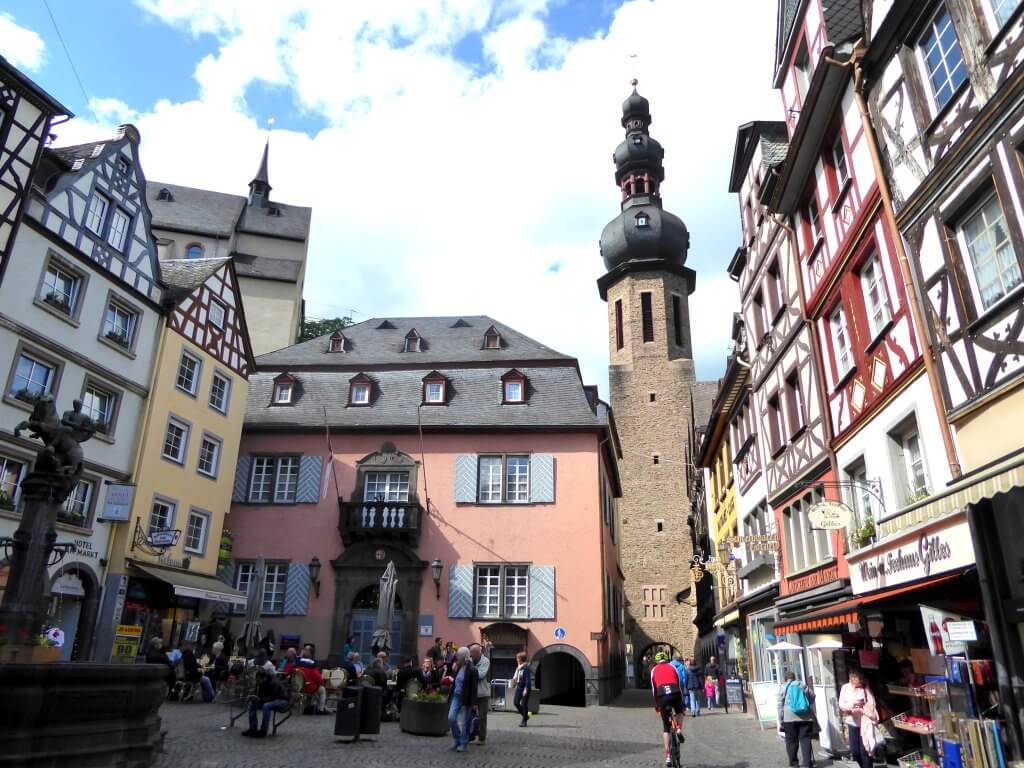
667 686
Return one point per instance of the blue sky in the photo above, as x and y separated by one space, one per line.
456 152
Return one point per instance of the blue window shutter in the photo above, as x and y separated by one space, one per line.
460 591
228 577
310 474
242 471
542 591
465 478
296 590
542 478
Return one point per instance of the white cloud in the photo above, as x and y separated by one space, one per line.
21 46
440 188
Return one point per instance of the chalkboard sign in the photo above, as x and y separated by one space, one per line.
734 692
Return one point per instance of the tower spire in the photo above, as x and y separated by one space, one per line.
259 187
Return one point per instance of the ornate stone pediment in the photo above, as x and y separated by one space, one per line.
387 456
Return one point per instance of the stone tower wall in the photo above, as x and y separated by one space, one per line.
653 493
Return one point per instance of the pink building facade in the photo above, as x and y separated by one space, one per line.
508 495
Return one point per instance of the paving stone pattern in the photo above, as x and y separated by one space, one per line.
625 734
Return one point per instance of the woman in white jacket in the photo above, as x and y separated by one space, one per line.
860 712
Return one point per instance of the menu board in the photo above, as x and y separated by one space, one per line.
734 692
766 700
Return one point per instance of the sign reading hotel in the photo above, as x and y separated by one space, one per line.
942 546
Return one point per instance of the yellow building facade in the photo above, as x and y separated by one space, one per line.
167 552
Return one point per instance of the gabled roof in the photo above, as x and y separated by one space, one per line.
449 344
11 74
189 274
770 135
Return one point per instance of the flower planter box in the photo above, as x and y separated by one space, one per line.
425 718
30 654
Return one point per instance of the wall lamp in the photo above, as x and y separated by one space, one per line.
314 574
436 566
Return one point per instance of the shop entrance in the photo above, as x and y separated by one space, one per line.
561 680
364 622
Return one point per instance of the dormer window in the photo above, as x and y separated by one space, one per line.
165 195
643 220
492 339
435 389
513 388
360 390
412 341
284 390
194 251
336 342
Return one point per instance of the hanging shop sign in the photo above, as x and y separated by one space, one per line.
758 543
118 504
942 546
829 516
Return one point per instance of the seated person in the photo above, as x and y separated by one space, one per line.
193 674
287 660
349 666
156 655
429 676
356 663
314 687
217 670
309 653
379 669
270 697
406 672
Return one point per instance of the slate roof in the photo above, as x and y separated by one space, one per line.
843 20
189 274
73 156
266 268
219 214
556 398
367 346
703 399
774 147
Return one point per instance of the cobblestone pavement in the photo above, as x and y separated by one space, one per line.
623 735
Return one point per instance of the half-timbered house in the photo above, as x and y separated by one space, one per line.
79 320
946 96
187 456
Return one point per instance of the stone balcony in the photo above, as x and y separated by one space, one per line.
368 520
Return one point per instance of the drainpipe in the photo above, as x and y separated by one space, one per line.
901 253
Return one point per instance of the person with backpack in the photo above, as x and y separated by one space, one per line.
796 719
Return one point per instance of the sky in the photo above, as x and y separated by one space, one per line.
456 153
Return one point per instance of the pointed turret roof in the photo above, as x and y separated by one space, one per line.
263 174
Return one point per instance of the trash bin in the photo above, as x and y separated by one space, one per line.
500 695
347 716
369 717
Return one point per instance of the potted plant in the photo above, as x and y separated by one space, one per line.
119 338
43 650
26 395
425 714
865 534
5 499
57 301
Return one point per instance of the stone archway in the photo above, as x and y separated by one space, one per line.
360 566
89 608
571 677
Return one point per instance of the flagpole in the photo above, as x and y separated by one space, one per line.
330 458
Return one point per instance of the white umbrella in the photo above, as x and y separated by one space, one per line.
784 646
385 607
826 645
254 603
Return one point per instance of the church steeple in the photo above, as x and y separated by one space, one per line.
643 235
259 187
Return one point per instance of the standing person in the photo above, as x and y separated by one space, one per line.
349 647
521 683
666 685
796 719
710 689
483 691
680 667
712 670
436 653
694 686
218 667
461 699
270 697
858 705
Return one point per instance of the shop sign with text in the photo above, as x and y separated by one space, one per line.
938 548
829 516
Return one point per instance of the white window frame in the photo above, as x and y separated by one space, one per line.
433 391
185 429
286 479
813 212
222 309
993 9
283 392
111 325
81 497
839 160
521 391
872 280
89 395
275 587
14 492
922 60
913 458
172 512
515 598
95 220
497 486
360 394
118 237
386 486
842 346
860 499
204 535
57 272
225 401
180 381
499 587
36 362
217 443
969 257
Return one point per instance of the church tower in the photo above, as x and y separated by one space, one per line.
647 288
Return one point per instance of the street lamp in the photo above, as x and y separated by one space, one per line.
436 567
314 574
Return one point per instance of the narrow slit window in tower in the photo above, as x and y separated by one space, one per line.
647 315
618 324
677 320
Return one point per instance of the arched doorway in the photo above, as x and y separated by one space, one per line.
74 602
645 661
364 622
560 671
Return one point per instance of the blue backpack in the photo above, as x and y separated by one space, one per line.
797 701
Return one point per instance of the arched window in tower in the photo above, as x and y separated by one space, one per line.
640 185
643 220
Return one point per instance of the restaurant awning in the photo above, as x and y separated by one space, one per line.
840 614
982 484
187 584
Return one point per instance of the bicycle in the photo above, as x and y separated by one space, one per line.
673 738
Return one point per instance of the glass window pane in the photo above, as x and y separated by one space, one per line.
517 472
490 479
287 479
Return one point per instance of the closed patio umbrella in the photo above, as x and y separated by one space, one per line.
385 607
252 631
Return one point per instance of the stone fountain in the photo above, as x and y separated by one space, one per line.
77 713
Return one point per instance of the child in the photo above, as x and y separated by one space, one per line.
711 690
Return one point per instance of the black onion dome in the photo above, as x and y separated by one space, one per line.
644 232
639 151
636 106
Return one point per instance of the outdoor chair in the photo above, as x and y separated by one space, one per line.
334 681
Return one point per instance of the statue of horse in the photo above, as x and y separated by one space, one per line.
61 436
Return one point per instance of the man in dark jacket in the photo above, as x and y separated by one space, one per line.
462 698
193 674
157 655
712 670
694 686
270 697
